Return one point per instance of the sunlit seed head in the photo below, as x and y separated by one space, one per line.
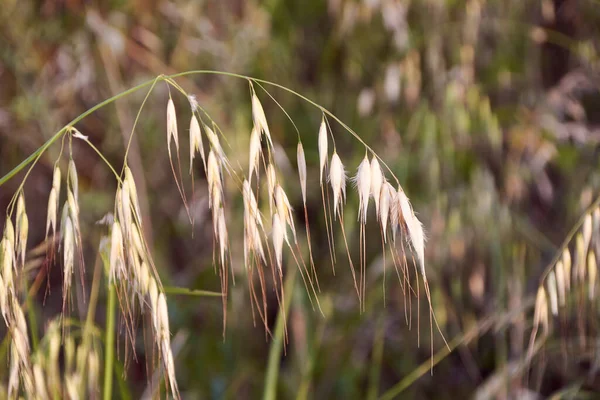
222 234
377 181
260 119
301 170
323 155
414 228
23 224
133 195
73 179
9 232
116 250
337 179
196 145
163 316
271 183
385 197
52 211
56 179
40 382
362 181
73 210
125 205
68 254
213 174
20 207
278 233
255 151
172 133
285 211
7 262
587 230
581 257
214 142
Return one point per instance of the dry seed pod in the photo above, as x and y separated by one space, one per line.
40 382
116 250
301 170
322 149
56 180
581 258
377 181
213 174
255 152
172 126
337 179
587 231
284 209
9 232
23 228
133 196
592 269
362 182
215 145
222 234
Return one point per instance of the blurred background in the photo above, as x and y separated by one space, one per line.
488 111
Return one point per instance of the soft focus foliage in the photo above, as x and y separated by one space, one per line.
488 112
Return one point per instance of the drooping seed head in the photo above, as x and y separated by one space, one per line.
271 183
414 228
172 133
260 119
73 179
20 208
222 234
552 292
40 382
301 170
73 210
56 179
213 175
196 145
214 142
68 254
386 195
117 257
9 232
362 181
52 212
337 179
322 149
135 202
581 257
278 233
255 152
163 317
23 228
377 181
285 211
125 214
587 231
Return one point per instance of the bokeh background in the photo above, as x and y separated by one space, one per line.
488 111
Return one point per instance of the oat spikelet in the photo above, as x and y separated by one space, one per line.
386 195
260 120
132 189
278 233
23 229
255 152
213 175
116 252
214 142
322 149
592 270
414 228
73 179
377 181
68 255
52 212
196 145
337 179
222 234
301 170
362 181
540 315
271 183
284 209
172 126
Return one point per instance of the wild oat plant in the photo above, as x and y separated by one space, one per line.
66 361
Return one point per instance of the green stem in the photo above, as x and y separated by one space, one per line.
110 342
190 292
270 390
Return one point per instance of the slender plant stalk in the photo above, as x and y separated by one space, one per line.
109 353
270 390
190 292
